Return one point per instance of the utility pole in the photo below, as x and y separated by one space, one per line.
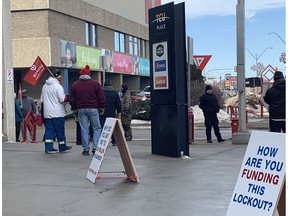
8 106
190 62
241 137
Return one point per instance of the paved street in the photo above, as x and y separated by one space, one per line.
36 184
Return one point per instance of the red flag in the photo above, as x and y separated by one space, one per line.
35 72
20 91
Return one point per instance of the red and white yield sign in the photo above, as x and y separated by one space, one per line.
201 60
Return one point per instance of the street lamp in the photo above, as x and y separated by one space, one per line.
282 58
277 36
257 67
227 69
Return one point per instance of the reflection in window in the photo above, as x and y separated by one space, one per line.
87 33
91 34
134 45
94 35
143 48
119 42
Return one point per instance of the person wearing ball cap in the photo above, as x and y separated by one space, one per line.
53 99
88 101
275 97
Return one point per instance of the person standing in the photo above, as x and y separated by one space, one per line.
18 119
88 100
275 97
210 107
26 104
126 111
113 105
53 99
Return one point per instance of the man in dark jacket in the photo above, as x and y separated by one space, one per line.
275 98
210 107
88 100
113 105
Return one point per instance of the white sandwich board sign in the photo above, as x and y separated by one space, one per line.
261 176
111 126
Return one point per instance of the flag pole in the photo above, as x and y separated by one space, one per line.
47 68
50 72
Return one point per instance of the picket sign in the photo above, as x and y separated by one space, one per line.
111 126
261 179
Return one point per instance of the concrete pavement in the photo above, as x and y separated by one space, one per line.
36 184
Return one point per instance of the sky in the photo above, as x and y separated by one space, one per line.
212 25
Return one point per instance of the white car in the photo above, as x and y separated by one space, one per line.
146 91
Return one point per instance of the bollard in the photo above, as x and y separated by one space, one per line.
234 124
191 126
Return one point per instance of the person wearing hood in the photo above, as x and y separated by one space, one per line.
113 105
53 99
275 97
88 101
210 107
126 111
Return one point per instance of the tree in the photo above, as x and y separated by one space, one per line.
197 87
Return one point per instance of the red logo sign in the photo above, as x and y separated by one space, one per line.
161 82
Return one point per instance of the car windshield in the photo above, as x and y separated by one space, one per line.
140 94
147 89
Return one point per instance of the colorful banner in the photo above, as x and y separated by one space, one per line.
122 63
135 65
68 54
88 56
35 72
144 67
108 60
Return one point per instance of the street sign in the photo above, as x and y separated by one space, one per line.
201 60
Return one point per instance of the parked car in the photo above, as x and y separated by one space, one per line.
146 91
142 95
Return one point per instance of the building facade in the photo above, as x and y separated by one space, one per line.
110 36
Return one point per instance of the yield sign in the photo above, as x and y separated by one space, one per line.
201 61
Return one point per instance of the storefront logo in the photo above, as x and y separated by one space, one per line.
161 82
160 17
160 65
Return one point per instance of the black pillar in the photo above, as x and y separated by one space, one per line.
169 109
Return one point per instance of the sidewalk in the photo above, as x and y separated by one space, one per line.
36 184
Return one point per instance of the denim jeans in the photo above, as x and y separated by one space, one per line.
91 115
55 126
